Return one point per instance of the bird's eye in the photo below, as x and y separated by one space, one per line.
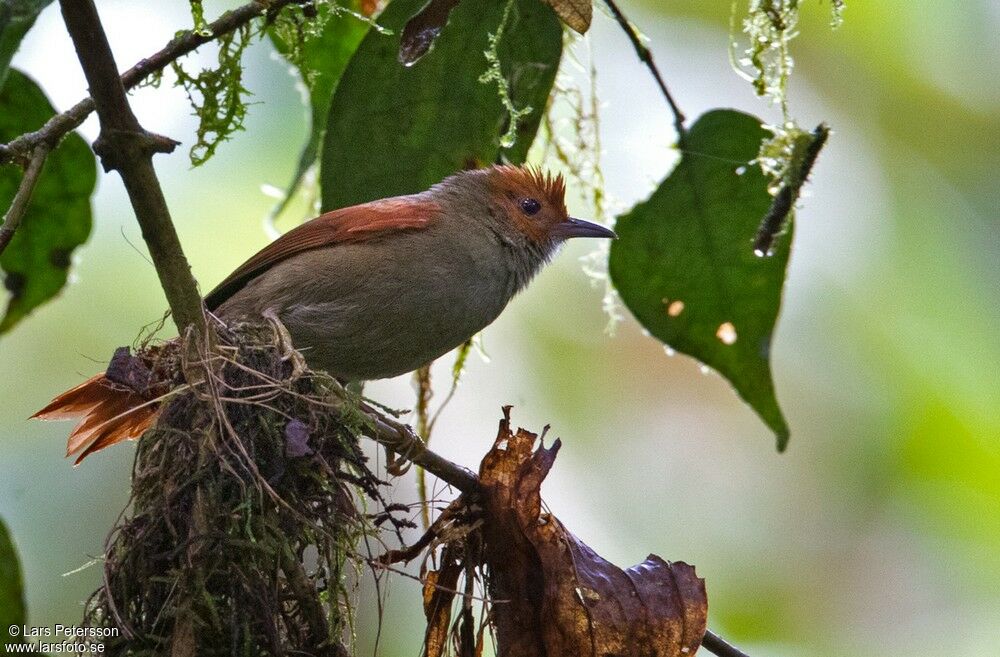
530 206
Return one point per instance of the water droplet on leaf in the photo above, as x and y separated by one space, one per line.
726 333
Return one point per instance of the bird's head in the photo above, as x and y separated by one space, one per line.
533 204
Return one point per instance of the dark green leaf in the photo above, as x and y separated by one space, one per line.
684 262
36 262
12 610
320 57
16 18
397 130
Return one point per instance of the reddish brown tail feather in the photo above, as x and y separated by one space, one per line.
110 414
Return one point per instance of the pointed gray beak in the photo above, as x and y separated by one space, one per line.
580 228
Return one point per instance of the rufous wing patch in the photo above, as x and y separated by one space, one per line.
357 223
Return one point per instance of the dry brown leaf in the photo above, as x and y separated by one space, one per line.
439 592
560 598
575 13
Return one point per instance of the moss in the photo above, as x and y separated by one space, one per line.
244 517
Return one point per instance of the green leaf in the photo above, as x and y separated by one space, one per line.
12 610
320 56
16 18
684 263
58 219
397 130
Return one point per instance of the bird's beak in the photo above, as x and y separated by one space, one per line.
580 228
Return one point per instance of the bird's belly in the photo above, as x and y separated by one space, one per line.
398 317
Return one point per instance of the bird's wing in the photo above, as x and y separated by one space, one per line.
354 224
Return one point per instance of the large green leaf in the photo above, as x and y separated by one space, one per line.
12 610
684 262
16 18
396 130
320 56
36 262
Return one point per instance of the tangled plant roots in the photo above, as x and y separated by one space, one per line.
244 514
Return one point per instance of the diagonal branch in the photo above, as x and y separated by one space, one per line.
124 146
719 646
22 198
185 42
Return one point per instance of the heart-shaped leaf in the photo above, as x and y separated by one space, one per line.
684 262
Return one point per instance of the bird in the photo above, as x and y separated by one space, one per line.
373 290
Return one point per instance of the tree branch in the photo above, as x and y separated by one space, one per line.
22 198
719 646
401 439
803 158
124 146
184 43
646 57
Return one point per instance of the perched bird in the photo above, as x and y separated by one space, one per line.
374 290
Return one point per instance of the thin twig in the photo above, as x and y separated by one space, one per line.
184 43
124 146
777 215
22 198
401 439
719 646
646 57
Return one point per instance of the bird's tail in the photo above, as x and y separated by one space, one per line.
110 414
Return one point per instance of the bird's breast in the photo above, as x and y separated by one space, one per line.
377 309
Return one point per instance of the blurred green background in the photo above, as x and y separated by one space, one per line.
878 530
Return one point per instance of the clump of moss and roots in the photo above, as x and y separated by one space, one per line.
246 512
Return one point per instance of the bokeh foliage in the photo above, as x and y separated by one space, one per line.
12 611
16 18
37 260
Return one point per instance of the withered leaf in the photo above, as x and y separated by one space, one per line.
562 598
423 28
575 13
439 592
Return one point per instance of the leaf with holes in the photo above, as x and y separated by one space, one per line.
12 613
36 262
396 130
684 262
